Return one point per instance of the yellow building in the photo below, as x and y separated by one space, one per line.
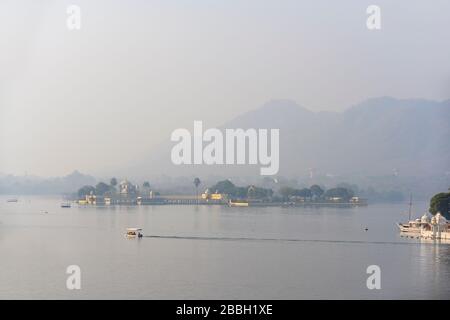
217 196
214 196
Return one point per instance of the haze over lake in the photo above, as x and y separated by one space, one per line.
209 252
256 149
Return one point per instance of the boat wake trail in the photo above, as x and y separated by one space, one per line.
281 240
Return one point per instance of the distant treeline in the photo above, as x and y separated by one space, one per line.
315 192
375 189
227 187
111 189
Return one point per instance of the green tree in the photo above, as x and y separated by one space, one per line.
339 192
249 192
440 203
86 190
240 192
225 186
146 184
305 193
254 192
316 191
101 188
286 192
113 182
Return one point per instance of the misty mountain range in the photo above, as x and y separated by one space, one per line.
392 144
380 136
38 185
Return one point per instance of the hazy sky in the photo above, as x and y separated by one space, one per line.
101 97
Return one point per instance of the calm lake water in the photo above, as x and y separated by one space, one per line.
329 261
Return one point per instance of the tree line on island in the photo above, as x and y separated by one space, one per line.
315 192
439 202
104 189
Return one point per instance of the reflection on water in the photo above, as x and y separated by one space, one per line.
435 262
215 252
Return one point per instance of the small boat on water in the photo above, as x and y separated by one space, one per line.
238 203
66 205
12 200
436 227
133 233
413 226
288 204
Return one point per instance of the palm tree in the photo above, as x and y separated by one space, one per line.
196 184
113 184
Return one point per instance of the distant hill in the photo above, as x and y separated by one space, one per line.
386 143
36 185
380 136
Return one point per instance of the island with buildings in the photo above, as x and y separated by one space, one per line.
222 193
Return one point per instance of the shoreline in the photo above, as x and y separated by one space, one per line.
184 202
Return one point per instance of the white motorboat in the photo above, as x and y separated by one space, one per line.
436 227
133 233
66 205
413 226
